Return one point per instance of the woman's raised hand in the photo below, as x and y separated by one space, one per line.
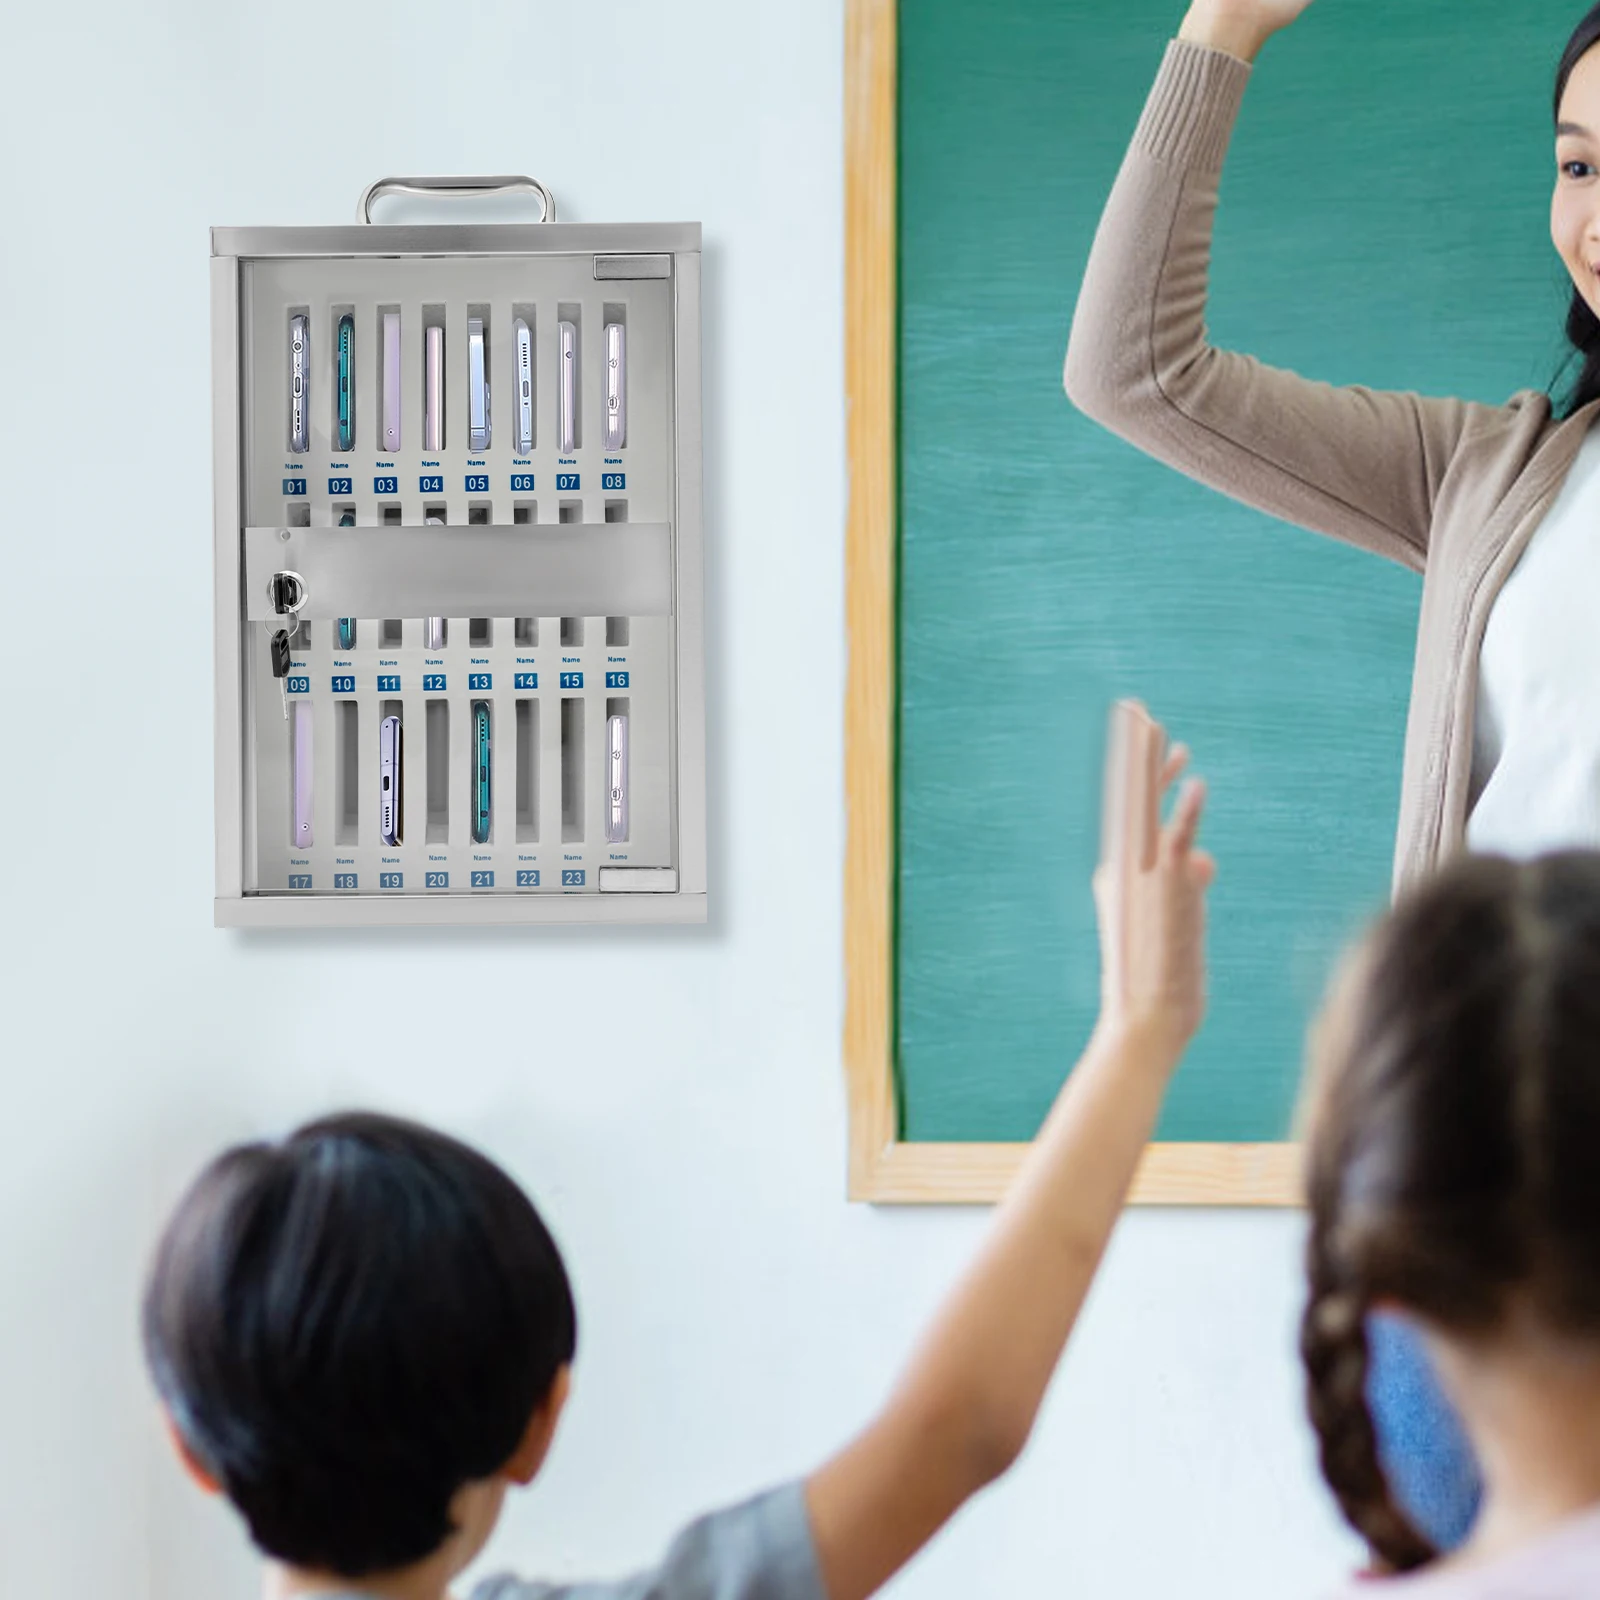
1240 27
1150 889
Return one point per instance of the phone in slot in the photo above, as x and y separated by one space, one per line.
568 408
433 390
480 771
347 625
347 382
524 430
299 383
301 760
616 779
477 386
390 780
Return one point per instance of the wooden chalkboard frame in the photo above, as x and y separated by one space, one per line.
883 1166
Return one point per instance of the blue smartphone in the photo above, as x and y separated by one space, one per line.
347 625
347 382
480 772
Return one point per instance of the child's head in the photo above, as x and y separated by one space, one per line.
354 1329
1452 1163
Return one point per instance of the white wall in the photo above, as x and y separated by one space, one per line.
673 1098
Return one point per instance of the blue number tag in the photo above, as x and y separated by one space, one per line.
571 680
389 683
386 486
298 686
430 485
571 878
527 680
344 880
616 680
480 680
341 486
527 880
391 880
483 880
613 480
567 480
521 481
299 880
477 483
294 486
438 880
344 685
433 683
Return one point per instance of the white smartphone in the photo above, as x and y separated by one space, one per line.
391 381
616 779
299 384
477 386
390 753
524 440
433 390
433 628
569 388
301 758
616 385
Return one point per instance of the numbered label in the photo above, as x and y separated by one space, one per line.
438 880
389 683
341 486
344 880
483 880
298 686
616 680
299 880
477 483
386 486
292 486
572 877
527 680
391 880
344 685
433 683
571 680
613 480
521 481
526 879
480 680
564 481
430 485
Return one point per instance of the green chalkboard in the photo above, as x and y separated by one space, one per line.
1383 221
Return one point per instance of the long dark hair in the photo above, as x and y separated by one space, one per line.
1451 1162
1583 327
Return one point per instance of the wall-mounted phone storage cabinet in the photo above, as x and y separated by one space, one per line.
459 635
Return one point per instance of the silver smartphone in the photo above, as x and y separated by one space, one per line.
616 779
616 385
477 386
433 628
433 390
391 382
390 798
524 440
301 760
569 388
299 383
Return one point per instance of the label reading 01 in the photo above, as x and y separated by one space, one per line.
293 486
386 486
341 485
477 483
480 680
571 680
521 482
527 680
564 481
389 683
344 685
433 683
430 485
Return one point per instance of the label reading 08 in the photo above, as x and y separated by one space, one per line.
613 480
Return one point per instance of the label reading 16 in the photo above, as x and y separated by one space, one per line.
616 680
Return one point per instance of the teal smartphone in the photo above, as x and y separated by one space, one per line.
480 772
347 382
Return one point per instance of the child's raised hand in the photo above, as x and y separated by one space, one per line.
1150 889
1240 27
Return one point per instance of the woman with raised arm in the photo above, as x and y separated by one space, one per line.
1498 507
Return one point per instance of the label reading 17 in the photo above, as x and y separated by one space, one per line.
299 880
613 480
294 486
571 680
298 686
480 680
564 480
527 680
389 683
430 485
521 481
341 486
433 683
477 483
386 486
344 685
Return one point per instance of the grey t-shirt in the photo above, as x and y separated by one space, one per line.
761 1550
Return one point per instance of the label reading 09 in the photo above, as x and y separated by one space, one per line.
298 685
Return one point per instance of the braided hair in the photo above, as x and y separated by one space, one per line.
1582 326
1450 1158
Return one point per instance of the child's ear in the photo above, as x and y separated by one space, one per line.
192 1464
536 1437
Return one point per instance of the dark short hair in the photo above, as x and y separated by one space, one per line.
349 1325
